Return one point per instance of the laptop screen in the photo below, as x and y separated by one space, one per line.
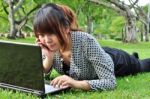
21 65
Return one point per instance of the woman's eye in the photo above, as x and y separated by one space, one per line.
42 35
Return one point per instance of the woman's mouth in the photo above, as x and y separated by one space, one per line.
52 47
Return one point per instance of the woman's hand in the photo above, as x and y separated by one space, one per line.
47 63
45 49
64 80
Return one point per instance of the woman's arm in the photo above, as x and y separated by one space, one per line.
84 85
47 56
47 64
64 80
102 64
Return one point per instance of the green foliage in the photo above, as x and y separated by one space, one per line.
42 1
26 7
145 8
117 25
103 26
105 20
4 27
82 21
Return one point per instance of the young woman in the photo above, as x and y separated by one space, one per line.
74 54
124 63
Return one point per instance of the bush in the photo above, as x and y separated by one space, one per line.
118 39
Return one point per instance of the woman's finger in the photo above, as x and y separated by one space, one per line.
54 82
65 84
60 82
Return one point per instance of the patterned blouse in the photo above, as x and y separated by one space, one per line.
88 62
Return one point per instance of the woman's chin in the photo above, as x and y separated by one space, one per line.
53 49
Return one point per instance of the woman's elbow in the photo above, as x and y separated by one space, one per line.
113 84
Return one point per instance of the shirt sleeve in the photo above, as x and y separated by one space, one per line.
103 66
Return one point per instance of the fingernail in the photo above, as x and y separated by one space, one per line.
56 86
60 86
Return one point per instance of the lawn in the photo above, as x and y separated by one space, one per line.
130 87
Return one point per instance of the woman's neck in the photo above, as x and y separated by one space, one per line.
66 56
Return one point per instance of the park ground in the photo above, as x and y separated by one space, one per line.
130 87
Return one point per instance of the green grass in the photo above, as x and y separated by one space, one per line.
142 47
130 87
26 40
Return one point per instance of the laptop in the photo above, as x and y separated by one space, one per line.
21 69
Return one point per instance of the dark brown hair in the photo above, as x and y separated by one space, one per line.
70 15
51 19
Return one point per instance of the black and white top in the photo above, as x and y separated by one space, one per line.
88 62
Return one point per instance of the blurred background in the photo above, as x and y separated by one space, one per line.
122 20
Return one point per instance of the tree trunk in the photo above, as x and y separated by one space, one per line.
16 26
148 24
13 29
147 32
130 31
89 24
142 32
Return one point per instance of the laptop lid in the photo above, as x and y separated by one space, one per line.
21 66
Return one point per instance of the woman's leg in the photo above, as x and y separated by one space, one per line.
145 65
124 64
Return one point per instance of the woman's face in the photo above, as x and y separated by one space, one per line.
50 40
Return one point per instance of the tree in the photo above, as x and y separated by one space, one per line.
16 23
117 26
87 9
142 16
124 10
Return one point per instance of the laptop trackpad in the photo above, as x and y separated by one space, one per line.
51 89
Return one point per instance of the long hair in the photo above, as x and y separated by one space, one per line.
71 16
51 19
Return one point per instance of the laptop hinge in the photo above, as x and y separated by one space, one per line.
9 86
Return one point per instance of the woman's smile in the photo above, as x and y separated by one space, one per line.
52 47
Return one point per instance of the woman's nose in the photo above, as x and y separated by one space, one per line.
48 39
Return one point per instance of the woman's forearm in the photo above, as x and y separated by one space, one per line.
47 64
83 85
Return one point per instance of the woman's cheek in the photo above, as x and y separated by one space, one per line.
43 41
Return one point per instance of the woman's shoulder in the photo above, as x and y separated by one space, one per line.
80 35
